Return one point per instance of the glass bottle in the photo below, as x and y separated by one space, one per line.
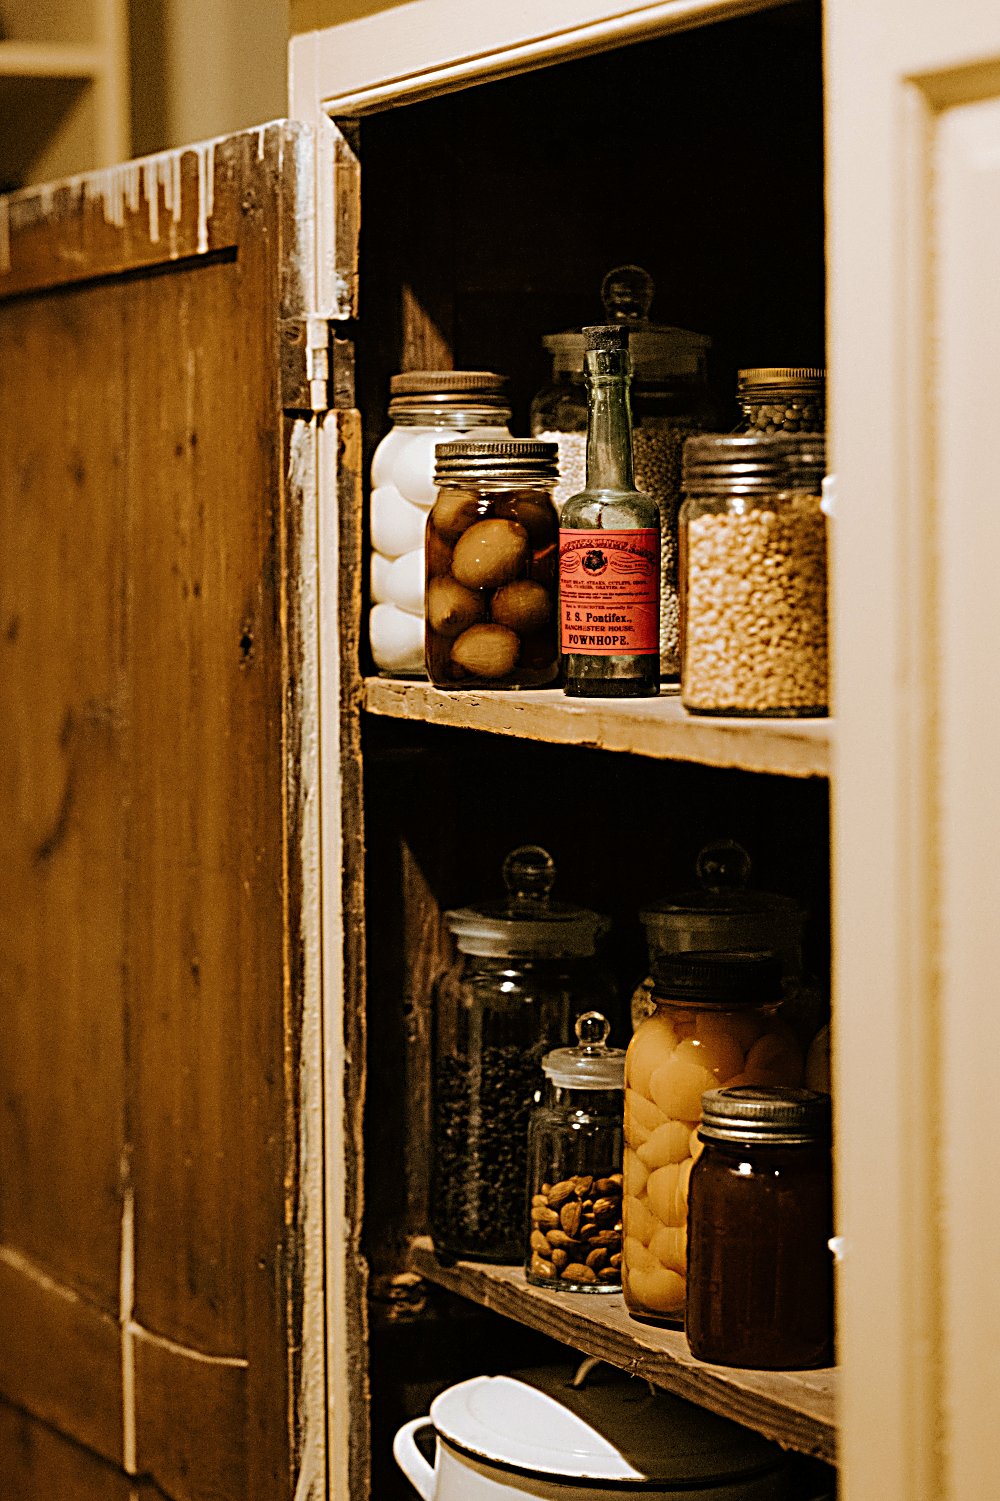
754 576
760 1271
714 1023
425 407
574 1229
491 614
527 967
609 545
670 401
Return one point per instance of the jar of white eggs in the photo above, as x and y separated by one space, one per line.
426 407
715 1024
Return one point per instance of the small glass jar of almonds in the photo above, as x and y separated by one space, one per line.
575 1144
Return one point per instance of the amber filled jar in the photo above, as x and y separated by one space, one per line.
760 1276
715 1023
492 566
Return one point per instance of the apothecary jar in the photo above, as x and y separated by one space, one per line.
526 967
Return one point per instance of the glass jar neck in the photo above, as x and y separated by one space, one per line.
523 484
609 432
765 1154
461 418
609 1102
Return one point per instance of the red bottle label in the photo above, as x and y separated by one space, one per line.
609 592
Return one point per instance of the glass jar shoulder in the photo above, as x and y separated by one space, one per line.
608 510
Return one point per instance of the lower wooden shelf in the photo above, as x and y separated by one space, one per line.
795 1408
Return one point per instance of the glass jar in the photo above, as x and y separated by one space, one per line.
762 1185
527 968
669 402
753 576
715 1023
574 1166
782 399
492 566
425 406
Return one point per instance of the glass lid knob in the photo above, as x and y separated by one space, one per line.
592 1031
627 293
529 873
723 866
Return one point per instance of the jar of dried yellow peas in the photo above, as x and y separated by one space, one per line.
715 1024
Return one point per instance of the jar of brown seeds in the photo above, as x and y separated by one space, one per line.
754 576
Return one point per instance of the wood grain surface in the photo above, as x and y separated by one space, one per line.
151 857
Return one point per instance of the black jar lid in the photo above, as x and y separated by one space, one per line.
772 1116
496 458
706 977
748 463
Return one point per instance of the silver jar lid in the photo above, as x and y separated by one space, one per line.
748 463
751 1113
496 458
446 390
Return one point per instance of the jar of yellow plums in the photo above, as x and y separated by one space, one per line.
715 1024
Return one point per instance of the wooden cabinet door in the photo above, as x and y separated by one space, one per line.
161 1323
914 89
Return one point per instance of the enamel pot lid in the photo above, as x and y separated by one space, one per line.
616 1429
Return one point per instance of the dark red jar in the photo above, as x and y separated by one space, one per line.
760 1216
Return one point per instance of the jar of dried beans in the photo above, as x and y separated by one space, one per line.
782 399
527 966
714 1024
492 566
754 575
574 1227
669 402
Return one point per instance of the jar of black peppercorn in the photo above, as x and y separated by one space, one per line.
527 967
760 1218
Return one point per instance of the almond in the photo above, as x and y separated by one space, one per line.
578 1272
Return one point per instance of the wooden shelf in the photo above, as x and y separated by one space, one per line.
658 727
795 1408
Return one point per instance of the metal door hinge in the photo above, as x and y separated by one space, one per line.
317 367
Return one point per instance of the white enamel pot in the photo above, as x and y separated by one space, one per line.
502 1438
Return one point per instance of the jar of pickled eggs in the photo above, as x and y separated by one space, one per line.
714 1024
492 566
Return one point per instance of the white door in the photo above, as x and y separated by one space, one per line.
914 114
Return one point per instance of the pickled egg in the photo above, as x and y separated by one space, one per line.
641 1118
490 553
697 1145
652 1044
636 1174
397 526
662 1194
678 1085
669 1246
636 1257
774 1059
412 468
670 1142
523 606
454 512
486 651
638 1223
739 1027
451 609
397 639
718 1054
661 1291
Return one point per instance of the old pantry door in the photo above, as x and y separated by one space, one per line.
161 1324
915 356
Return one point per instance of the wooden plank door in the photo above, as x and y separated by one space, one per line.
161 1192
915 354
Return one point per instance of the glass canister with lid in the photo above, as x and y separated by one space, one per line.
527 966
574 1165
754 575
669 402
425 407
492 566
782 399
714 1023
763 1180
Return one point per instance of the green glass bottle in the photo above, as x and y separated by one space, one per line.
609 545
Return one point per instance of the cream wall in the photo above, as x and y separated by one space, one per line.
309 15
202 68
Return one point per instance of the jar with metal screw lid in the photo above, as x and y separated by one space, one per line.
492 566
574 1165
714 1023
760 1218
782 399
425 408
754 575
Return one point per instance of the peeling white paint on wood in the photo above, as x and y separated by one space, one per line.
4 237
126 1303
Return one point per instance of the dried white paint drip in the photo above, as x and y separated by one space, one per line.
4 236
261 135
151 193
235 1362
206 191
126 1303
